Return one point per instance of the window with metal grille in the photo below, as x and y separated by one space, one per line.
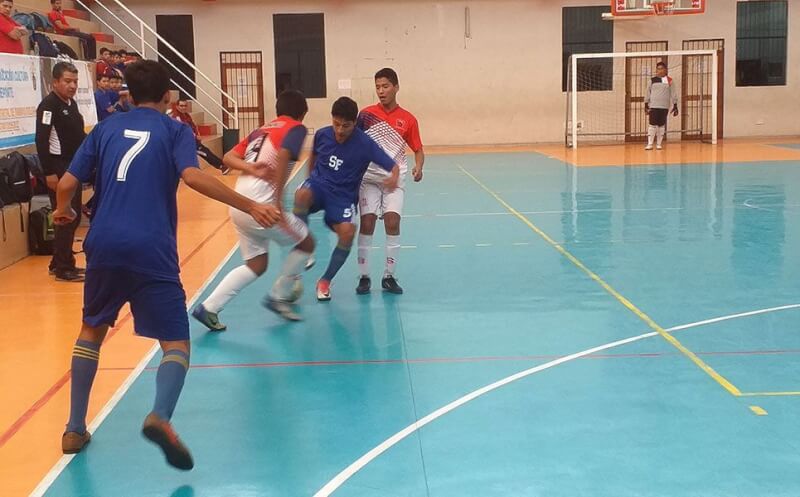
585 31
761 31
300 53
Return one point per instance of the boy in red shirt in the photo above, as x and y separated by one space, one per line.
11 33
62 27
393 128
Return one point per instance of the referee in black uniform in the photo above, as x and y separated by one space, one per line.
59 133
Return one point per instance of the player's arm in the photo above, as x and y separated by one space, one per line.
44 127
60 24
265 215
235 160
415 142
647 96
290 151
674 95
17 33
67 189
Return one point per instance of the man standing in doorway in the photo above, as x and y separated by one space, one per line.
59 133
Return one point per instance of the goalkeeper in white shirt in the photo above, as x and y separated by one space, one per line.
662 95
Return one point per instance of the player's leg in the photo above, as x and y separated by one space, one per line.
288 286
254 246
104 294
393 208
651 130
304 198
340 219
662 131
159 312
370 201
85 357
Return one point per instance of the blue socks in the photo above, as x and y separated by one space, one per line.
338 259
169 382
85 356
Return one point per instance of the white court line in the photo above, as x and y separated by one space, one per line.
521 244
62 463
362 461
747 203
447 246
573 211
483 244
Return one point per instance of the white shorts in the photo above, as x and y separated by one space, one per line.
254 239
374 198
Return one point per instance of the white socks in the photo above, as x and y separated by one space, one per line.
229 287
293 266
392 251
651 135
661 132
364 246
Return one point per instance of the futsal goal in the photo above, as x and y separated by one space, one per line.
606 94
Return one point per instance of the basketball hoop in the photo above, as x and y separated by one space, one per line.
662 7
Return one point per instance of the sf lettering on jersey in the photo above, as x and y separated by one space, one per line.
335 163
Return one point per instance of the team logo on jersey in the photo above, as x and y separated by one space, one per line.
401 123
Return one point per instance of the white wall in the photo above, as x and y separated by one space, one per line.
503 85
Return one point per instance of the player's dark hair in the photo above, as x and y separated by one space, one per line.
389 74
61 67
104 50
661 64
291 103
345 108
147 81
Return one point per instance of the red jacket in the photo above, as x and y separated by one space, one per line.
185 118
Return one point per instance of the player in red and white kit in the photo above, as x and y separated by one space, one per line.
394 129
265 159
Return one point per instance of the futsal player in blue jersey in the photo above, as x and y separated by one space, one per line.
340 157
131 249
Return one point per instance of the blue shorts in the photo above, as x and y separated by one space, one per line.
338 208
158 305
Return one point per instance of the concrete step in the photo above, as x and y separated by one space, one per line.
214 143
45 5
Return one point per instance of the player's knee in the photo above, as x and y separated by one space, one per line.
391 221
307 245
303 198
346 235
181 345
258 265
368 224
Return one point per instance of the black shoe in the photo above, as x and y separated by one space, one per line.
390 285
364 284
71 276
78 270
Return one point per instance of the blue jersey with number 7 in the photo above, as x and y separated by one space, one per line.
137 159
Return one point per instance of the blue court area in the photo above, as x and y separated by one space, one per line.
275 409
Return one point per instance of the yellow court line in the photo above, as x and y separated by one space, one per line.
769 394
759 411
727 385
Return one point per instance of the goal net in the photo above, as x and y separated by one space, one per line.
606 94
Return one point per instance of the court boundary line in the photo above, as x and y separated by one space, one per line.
373 454
51 476
721 380
104 412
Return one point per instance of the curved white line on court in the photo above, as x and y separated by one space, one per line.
367 458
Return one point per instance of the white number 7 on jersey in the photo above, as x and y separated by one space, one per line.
141 137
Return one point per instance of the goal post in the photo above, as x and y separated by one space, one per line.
606 92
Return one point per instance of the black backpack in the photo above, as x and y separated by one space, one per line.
44 46
65 49
41 231
15 172
37 173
